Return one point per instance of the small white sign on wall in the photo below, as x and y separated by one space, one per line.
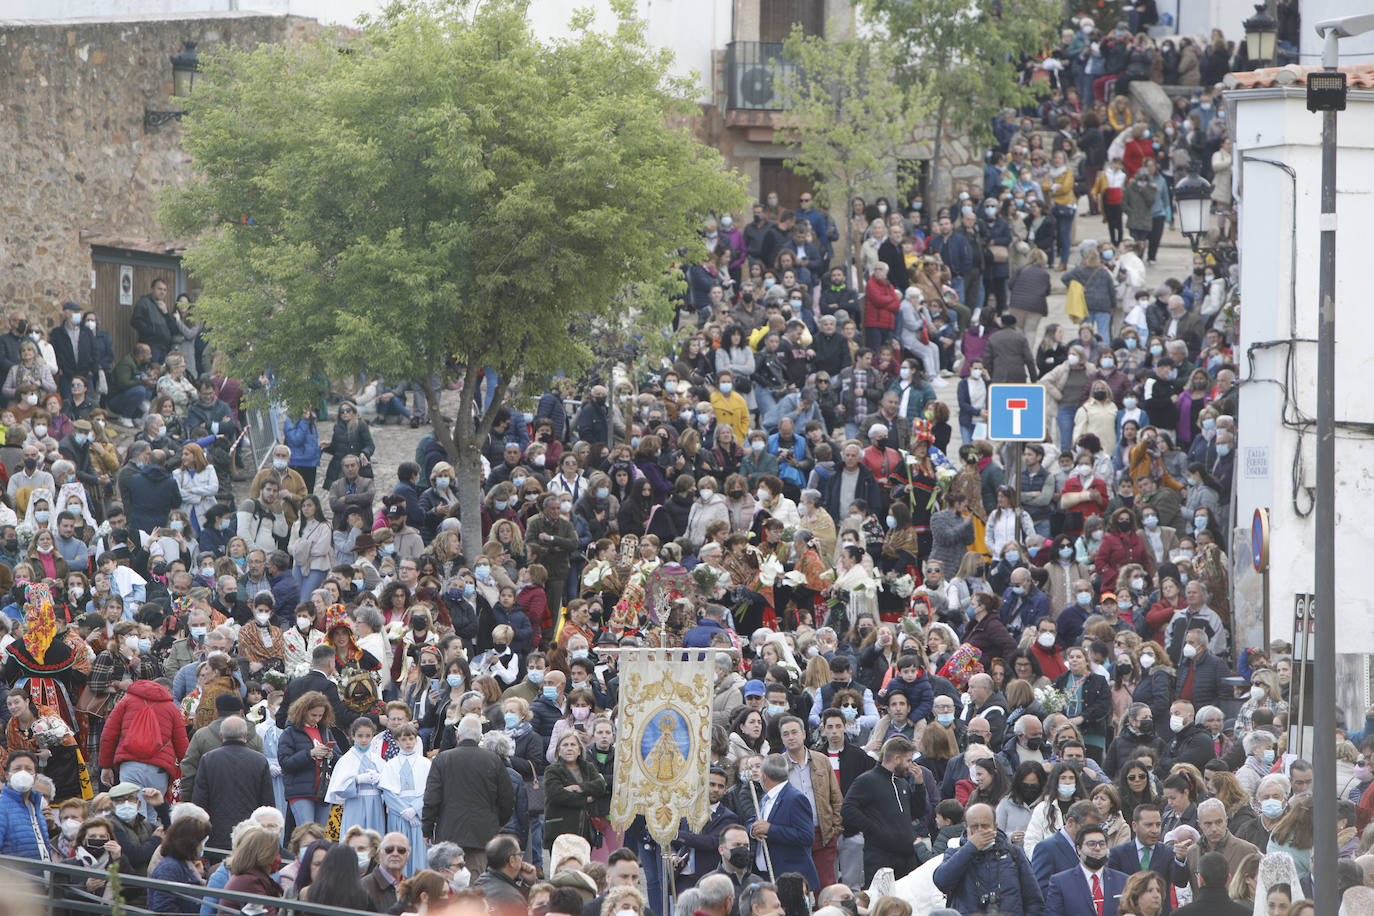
1257 462
126 284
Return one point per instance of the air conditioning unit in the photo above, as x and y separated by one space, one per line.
756 83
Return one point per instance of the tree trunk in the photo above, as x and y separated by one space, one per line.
935 191
464 447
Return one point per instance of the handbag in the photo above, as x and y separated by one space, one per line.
999 253
534 793
95 704
1075 302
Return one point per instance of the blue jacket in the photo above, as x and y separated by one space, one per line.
1020 612
823 230
790 835
303 438
919 694
954 251
1053 855
518 621
788 472
699 636
1126 859
23 830
967 873
286 594
1069 894
169 869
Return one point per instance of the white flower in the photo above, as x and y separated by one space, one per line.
903 586
794 578
769 570
595 574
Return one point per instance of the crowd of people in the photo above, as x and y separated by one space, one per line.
937 686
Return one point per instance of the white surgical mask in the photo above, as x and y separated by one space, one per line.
262 617
1147 661
1175 724
1189 650
21 781
1045 639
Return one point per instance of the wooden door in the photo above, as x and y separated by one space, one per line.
776 18
115 318
776 177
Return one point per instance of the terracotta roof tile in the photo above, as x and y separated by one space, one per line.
1359 76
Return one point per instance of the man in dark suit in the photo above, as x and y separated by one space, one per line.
735 860
321 678
698 851
1057 853
1212 899
1008 356
74 347
232 781
1146 851
1089 888
783 828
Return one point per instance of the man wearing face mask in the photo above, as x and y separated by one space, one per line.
1023 603
289 482
31 473
1188 741
882 806
1138 731
1091 887
551 704
550 539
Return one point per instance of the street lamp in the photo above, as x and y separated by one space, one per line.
1261 33
1326 93
1193 195
184 68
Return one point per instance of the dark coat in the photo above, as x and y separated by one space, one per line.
568 811
1097 704
315 680
152 495
1030 289
990 636
1192 745
505 896
968 872
883 807
1008 357
381 892
233 780
790 835
71 362
867 489
301 777
468 796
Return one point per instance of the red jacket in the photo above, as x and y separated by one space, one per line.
171 741
534 601
1119 549
881 302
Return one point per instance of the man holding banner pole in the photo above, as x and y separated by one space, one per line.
784 826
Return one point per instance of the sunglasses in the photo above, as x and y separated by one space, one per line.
391 849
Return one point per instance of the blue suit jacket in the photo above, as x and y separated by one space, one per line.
1069 894
790 835
1124 858
1052 856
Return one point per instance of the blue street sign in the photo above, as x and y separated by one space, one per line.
1016 413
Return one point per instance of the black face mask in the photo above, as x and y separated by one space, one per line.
429 670
1034 744
1029 791
1094 863
418 622
30 464
95 847
1145 729
739 857
1123 524
747 297
850 906
977 739
11 545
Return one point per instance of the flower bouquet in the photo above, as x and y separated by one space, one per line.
50 731
1051 699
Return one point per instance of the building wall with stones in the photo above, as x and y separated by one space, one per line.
74 156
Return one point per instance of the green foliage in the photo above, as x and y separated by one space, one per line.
442 193
448 191
966 53
848 119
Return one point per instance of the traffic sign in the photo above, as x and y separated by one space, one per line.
1016 413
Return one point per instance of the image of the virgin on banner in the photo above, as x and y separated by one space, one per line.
663 750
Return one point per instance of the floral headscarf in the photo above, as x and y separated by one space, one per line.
334 618
40 620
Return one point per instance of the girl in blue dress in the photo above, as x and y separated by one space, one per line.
356 783
403 790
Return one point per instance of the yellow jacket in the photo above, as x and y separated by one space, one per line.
731 408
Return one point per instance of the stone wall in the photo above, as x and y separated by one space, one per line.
73 152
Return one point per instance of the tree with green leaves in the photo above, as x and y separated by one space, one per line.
968 55
440 194
847 121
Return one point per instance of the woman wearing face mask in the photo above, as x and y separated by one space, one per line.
1097 415
95 847
1265 693
1064 787
572 787
1201 498
181 850
261 641
577 720
1017 806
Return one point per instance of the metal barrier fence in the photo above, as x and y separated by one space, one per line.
53 887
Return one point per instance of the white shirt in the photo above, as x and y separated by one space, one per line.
1102 883
765 809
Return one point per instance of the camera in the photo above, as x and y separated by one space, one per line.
990 899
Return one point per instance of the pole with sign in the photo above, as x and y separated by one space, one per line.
1016 413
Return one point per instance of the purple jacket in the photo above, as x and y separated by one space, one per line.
1184 430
